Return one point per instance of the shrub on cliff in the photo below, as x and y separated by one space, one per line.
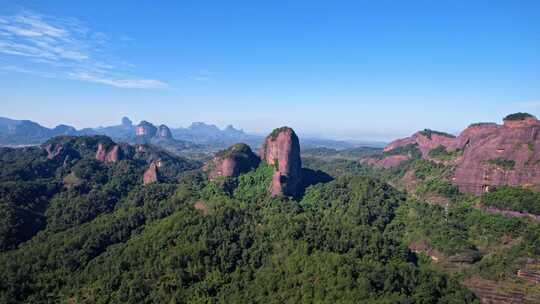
518 116
506 164
513 198
428 133
441 153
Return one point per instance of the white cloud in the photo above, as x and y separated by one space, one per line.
67 46
119 82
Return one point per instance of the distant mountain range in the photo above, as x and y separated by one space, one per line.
199 136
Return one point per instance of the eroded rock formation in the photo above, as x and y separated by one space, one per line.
232 162
110 156
426 141
145 129
486 154
281 149
151 174
164 132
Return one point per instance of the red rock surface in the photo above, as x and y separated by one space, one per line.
151 174
145 129
111 156
425 143
281 149
53 150
232 162
516 141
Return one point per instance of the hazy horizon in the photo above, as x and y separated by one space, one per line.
364 70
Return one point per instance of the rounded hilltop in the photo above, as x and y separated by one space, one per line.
231 162
518 116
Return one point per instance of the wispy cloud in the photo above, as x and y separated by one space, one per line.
119 82
67 46
528 104
11 68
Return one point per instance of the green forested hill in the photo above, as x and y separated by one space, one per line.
106 238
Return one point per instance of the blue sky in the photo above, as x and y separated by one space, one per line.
339 69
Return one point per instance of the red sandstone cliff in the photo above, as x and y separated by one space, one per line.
231 162
145 129
490 154
426 140
281 149
499 155
110 156
151 174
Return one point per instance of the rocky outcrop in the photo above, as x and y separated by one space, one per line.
281 149
490 155
53 150
232 162
164 132
499 155
145 129
110 156
426 141
151 174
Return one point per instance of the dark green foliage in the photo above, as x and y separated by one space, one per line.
518 116
439 186
235 149
458 230
441 153
428 132
253 186
69 189
478 124
112 240
506 164
276 132
513 198
424 169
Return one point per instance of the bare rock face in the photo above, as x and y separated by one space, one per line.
490 155
500 155
164 132
232 162
145 129
111 156
151 174
426 140
53 150
281 149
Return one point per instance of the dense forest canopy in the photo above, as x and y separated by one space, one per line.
75 229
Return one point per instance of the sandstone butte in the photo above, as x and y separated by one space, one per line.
164 132
487 154
281 149
145 129
232 162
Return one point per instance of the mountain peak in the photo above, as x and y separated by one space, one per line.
126 122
